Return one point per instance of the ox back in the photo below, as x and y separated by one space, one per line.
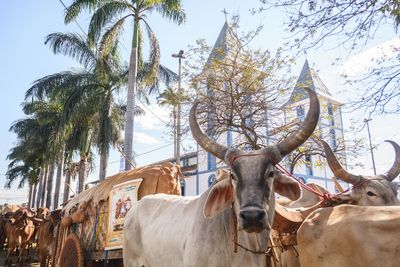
350 236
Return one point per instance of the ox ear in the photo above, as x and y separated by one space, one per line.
287 187
219 198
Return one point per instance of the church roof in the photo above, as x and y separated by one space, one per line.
310 78
224 41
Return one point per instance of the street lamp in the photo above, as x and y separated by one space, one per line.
366 121
179 55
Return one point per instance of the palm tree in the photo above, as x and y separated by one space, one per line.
48 115
171 98
91 92
108 18
29 155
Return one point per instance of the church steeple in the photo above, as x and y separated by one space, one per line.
223 43
309 78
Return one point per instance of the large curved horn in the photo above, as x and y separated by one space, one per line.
337 168
202 139
305 130
395 169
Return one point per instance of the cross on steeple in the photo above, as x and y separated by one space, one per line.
225 13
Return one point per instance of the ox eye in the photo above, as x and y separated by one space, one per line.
271 174
233 177
371 194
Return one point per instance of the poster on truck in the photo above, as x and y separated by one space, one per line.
121 198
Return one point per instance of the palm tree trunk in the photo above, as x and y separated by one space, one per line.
130 101
175 147
82 173
30 195
40 187
49 185
103 165
44 185
33 202
67 184
60 168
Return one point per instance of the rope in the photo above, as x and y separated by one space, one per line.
325 196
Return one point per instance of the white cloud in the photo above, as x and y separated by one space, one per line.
151 121
361 62
145 139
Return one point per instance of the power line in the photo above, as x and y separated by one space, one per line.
79 26
153 150
155 115
144 153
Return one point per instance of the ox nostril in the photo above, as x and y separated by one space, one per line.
253 215
261 216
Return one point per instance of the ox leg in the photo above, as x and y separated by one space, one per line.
8 260
21 254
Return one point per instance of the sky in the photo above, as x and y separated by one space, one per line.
24 25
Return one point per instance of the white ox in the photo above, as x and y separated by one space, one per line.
168 230
350 235
377 190
164 230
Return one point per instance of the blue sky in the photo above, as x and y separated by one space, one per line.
25 58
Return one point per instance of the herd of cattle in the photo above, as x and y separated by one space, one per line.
24 229
232 223
238 221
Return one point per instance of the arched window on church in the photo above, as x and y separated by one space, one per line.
332 135
183 186
211 179
331 116
300 112
309 169
229 137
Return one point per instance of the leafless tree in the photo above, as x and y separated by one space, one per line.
243 88
352 24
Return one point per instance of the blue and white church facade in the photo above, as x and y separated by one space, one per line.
330 128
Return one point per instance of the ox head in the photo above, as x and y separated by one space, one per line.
374 190
254 177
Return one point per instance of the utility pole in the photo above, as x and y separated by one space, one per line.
366 121
178 126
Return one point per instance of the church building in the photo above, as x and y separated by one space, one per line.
313 168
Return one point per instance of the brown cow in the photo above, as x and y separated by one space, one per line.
288 256
20 231
46 238
12 227
3 221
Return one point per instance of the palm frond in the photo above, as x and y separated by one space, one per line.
172 10
77 7
73 45
105 15
149 76
58 83
110 37
164 75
